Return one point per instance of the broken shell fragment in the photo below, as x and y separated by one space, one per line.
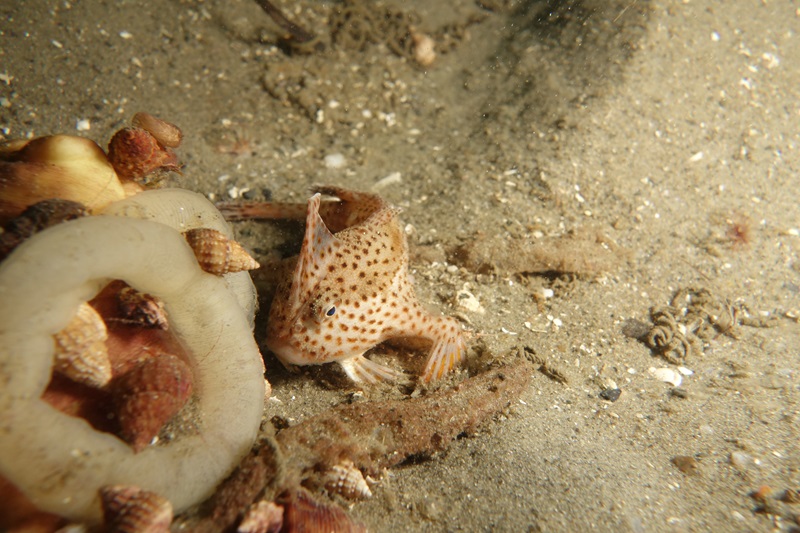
142 309
217 254
346 480
166 133
128 509
135 154
303 513
262 517
666 375
81 352
424 49
149 395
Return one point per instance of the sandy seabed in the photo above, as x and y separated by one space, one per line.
569 164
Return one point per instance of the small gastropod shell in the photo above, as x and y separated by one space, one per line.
81 352
262 517
135 154
149 395
217 254
346 480
129 509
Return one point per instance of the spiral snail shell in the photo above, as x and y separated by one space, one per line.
81 352
217 254
129 509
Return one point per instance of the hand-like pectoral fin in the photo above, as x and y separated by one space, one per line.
448 351
360 369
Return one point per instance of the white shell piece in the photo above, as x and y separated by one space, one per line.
467 300
667 375
347 480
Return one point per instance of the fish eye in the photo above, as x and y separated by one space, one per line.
323 308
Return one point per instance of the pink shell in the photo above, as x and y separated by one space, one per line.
129 509
262 517
149 395
135 153
303 513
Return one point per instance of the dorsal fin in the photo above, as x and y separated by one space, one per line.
315 255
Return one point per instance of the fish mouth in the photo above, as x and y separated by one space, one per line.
285 350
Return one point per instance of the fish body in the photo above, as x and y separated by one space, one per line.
350 291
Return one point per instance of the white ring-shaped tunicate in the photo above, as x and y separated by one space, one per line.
60 461
186 210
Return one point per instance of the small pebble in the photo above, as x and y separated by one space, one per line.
391 179
761 495
467 300
791 496
741 460
236 192
335 161
686 464
636 329
612 395
83 125
356 397
678 392
279 422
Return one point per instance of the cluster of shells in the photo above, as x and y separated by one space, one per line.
120 363
134 385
